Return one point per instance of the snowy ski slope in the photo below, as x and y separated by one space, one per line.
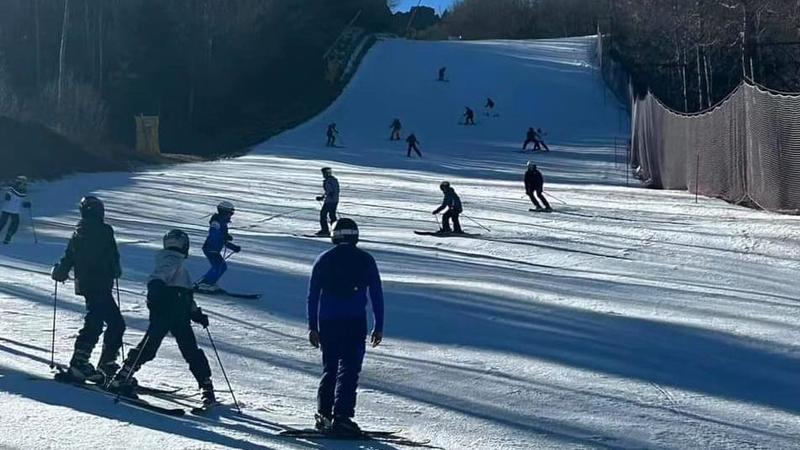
629 319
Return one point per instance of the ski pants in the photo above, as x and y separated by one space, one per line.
100 309
451 215
12 227
395 135
539 194
218 267
331 140
328 212
343 344
172 319
414 148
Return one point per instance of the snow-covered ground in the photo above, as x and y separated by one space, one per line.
628 319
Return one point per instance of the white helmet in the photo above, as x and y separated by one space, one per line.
226 207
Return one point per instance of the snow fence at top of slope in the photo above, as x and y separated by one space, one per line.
548 84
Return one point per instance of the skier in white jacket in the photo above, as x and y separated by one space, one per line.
15 200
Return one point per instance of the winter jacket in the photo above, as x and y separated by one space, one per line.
451 201
218 236
396 125
15 201
331 187
342 280
534 181
170 285
92 252
412 140
332 131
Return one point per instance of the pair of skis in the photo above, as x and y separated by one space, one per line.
392 437
224 293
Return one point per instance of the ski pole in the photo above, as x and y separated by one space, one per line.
141 348
438 224
53 342
476 222
33 226
119 306
210 339
557 199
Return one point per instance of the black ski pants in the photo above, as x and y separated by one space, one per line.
343 344
5 217
328 212
449 216
100 309
414 148
331 140
395 135
538 192
172 319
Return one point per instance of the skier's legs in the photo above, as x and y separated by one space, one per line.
446 221
416 149
351 361
456 222
541 197
537 145
330 344
115 329
218 268
332 212
327 212
533 199
525 145
4 219
187 343
147 347
546 148
13 227
92 327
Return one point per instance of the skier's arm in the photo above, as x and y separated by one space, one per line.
115 255
376 296
61 269
314 292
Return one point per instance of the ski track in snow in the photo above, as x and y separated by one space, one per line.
629 318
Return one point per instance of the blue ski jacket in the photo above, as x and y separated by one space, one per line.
342 280
218 236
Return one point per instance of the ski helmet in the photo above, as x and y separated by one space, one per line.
22 179
325 171
345 231
226 207
444 185
531 165
177 240
92 208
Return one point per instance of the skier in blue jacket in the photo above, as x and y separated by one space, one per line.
343 279
217 240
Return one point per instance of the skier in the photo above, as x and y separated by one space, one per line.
92 251
442 72
540 141
342 280
332 133
412 145
469 116
218 238
453 204
534 184
170 300
530 138
489 106
14 202
330 201
396 128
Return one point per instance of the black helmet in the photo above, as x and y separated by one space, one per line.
444 185
344 231
226 207
325 171
177 240
92 208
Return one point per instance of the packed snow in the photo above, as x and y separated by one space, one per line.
628 318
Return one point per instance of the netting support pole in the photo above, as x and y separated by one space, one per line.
697 178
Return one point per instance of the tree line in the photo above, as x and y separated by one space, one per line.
221 74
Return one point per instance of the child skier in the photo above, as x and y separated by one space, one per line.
396 128
452 202
92 252
343 279
14 202
331 134
412 145
172 309
218 239
330 201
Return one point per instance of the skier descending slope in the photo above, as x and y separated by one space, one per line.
170 300
92 251
452 202
489 106
331 134
534 184
218 238
412 145
342 280
442 73
469 116
396 127
14 202
330 201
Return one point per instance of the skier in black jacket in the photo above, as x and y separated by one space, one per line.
396 127
331 134
170 299
442 72
469 116
412 145
452 202
534 184
489 106
92 252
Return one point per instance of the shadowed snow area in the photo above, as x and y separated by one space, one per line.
628 318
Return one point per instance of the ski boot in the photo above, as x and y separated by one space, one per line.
208 288
345 426
207 394
322 233
322 422
124 383
548 209
107 370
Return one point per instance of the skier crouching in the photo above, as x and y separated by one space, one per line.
170 299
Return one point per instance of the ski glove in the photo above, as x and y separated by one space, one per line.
199 317
234 248
320 198
59 274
